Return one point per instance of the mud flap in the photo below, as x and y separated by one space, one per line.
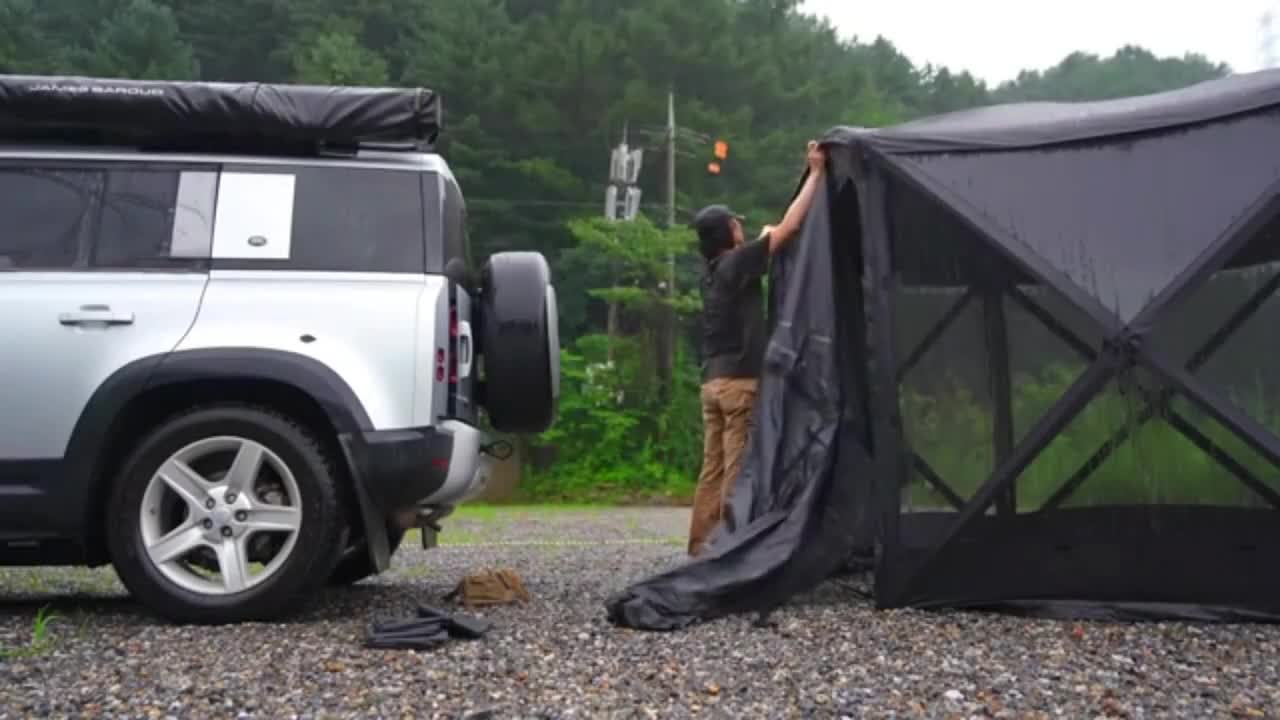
376 540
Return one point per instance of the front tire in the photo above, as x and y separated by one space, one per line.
226 514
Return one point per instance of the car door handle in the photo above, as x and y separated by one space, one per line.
95 315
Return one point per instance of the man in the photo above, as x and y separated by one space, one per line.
733 340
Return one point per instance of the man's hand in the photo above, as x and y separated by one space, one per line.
816 157
768 230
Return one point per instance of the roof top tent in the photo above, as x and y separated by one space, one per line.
219 117
1022 357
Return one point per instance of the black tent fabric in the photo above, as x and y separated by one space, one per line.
1039 124
789 526
1120 249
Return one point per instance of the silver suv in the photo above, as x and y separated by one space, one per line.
239 366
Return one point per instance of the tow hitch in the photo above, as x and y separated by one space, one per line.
428 521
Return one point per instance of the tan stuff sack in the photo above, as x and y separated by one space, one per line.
491 587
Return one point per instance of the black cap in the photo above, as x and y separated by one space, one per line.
713 217
714 233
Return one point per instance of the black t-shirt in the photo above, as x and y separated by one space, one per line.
733 332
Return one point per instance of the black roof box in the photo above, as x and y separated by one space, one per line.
215 116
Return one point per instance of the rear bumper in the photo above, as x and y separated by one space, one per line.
397 470
401 469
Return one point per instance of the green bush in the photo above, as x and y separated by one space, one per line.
614 439
625 431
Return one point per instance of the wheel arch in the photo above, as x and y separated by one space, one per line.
141 394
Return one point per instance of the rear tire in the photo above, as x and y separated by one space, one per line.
212 493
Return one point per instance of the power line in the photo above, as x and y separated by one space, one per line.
490 204
548 203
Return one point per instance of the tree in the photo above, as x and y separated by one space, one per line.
333 55
23 45
615 435
536 92
141 40
1130 71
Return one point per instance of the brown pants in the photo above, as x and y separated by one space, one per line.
726 416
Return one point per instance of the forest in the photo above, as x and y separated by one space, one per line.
536 92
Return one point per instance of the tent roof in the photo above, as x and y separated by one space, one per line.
1034 124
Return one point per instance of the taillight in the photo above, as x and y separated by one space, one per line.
439 364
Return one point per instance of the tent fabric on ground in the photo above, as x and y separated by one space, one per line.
1021 357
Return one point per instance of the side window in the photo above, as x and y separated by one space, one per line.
151 217
137 217
357 220
456 242
44 214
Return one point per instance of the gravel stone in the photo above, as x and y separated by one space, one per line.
829 655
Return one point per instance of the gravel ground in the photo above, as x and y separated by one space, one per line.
831 656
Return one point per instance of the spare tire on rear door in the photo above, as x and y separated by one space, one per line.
519 342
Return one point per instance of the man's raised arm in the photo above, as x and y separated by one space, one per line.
781 234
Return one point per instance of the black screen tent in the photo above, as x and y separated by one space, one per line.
1022 357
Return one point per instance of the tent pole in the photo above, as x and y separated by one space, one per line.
1044 431
1056 327
1247 226
887 442
1254 434
1198 359
932 477
1215 451
934 334
999 240
1099 456
1000 377
1235 322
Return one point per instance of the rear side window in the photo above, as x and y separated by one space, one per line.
457 244
334 219
356 220
137 217
45 217
154 218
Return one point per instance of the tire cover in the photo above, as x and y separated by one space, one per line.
519 342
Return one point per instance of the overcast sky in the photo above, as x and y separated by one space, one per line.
994 39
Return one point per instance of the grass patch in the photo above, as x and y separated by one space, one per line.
548 489
486 511
491 518
41 638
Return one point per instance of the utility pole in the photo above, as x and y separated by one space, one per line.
667 328
671 159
